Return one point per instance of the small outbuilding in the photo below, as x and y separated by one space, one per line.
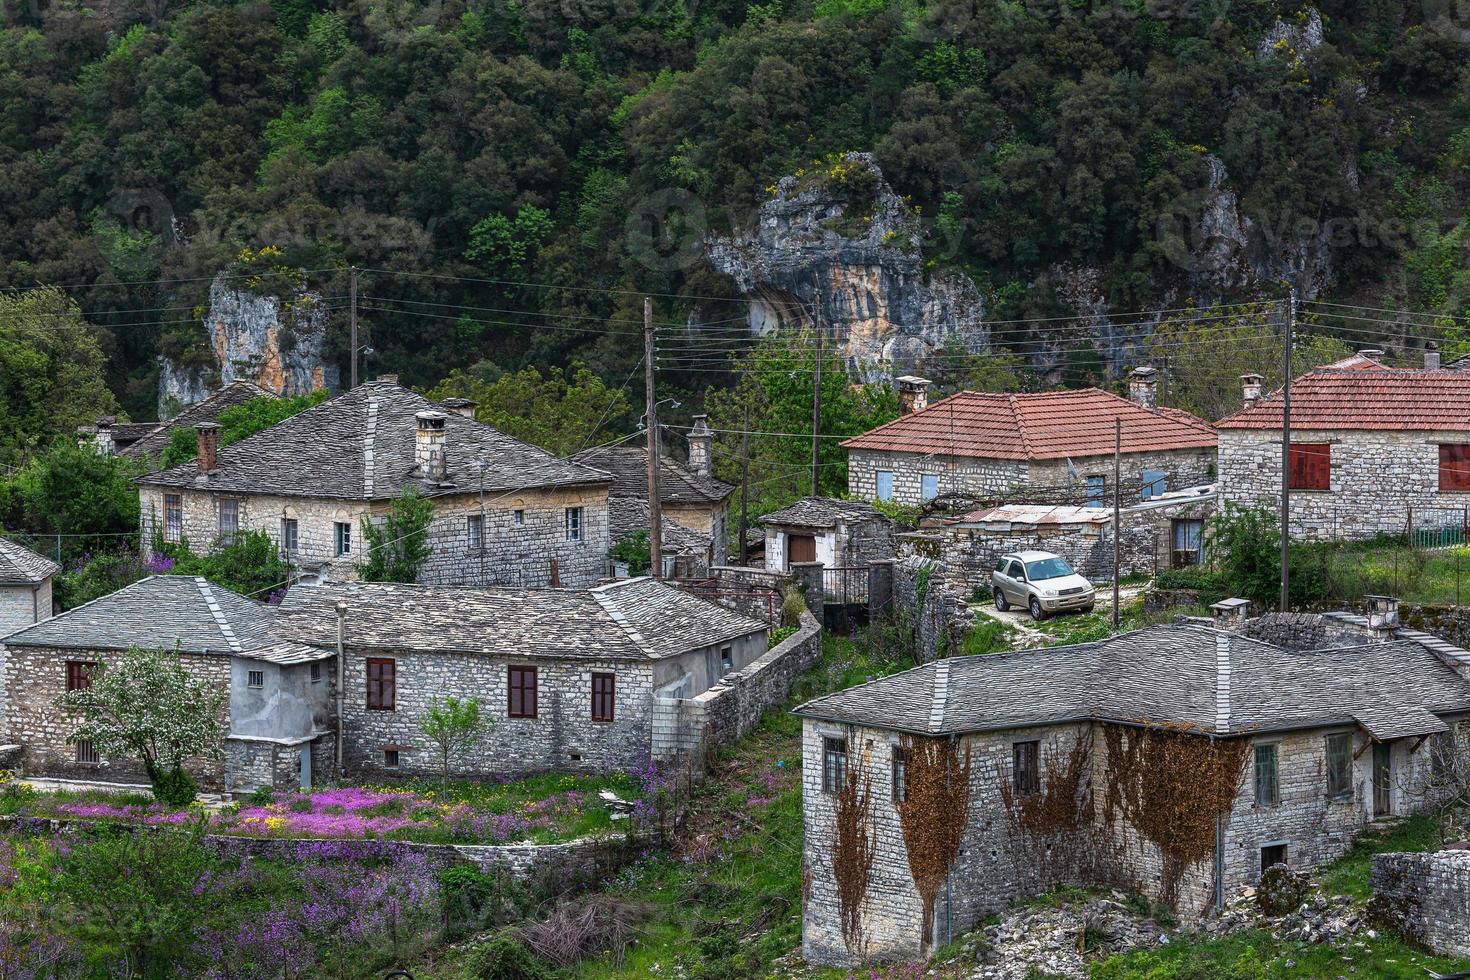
26 581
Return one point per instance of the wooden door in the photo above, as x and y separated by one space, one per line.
800 547
1382 780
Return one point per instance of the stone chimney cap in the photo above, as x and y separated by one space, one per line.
206 426
913 381
701 426
390 379
1251 379
430 419
106 421
1371 352
1144 371
458 403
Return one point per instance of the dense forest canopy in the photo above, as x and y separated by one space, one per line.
514 174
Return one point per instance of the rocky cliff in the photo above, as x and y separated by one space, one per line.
273 342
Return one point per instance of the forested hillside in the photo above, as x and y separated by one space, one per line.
518 172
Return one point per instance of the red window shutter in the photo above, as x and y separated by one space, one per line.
1454 467
521 692
603 687
78 675
1310 466
381 686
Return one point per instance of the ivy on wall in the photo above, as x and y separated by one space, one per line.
932 814
854 844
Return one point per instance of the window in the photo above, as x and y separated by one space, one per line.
603 696
519 517
255 678
1026 771
1014 571
79 674
342 538
288 537
1268 783
727 660
834 764
1340 765
229 519
316 673
574 524
382 684
475 532
521 692
1310 466
173 517
1454 467
928 486
1097 491
1188 535
86 752
1272 855
1155 482
899 775
883 485
390 758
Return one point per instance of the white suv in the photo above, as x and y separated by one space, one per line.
1042 582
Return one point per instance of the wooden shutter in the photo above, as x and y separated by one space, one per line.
1310 466
801 547
521 692
79 675
1454 467
382 686
603 697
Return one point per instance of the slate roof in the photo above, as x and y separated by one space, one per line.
677 483
360 446
1366 398
634 619
155 439
821 512
627 516
1045 425
20 565
1211 681
161 612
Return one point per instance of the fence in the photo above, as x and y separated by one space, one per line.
1437 527
845 597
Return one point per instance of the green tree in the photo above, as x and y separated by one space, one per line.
144 704
398 547
51 371
74 490
636 550
558 411
454 726
507 243
237 422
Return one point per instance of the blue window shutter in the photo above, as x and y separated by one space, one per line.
928 486
1154 483
883 485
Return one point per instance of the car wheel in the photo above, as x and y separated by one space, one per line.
1036 611
1086 609
1000 601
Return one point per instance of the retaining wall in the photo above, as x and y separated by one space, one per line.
1425 898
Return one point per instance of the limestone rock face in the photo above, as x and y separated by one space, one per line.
851 260
273 342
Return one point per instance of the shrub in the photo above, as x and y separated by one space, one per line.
586 927
793 604
175 788
504 958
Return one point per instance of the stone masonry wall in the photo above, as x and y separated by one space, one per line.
515 553
942 618
562 737
36 676
1425 898
1375 478
23 605
971 553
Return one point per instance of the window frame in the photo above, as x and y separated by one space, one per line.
1309 466
518 516
925 481
514 709
173 518
1344 742
727 659
342 539
1026 767
314 672
898 776
85 752
255 679
78 674
605 701
1097 490
1155 483
834 764
474 532
227 532
574 524
290 537
879 482
383 696
1269 777
1459 466
391 759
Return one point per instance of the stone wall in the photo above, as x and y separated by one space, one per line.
970 554
562 737
518 549
1375 478
1425 898
24 605
933 601
683 728
251 763
753 591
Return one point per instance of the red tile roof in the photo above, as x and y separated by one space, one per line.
1048 425
1360 398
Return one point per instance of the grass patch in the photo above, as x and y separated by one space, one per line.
1348 875
1090 627
1257 955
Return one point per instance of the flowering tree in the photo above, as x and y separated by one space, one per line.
146 705
453 726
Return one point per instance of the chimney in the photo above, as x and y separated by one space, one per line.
206 438
463 407
1372 352
103 439
700 438
1231 614
388 379
428 447
1250 389
913 394
1431 356
1143 387
1383 616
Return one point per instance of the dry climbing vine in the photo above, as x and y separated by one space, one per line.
1172 784
933 814
853 848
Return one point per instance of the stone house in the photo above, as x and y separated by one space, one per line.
568 677
278 714
146 441
1080 756
694 505
505 512
26 580
1046 447
836 533
1369 445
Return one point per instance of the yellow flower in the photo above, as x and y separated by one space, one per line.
275 823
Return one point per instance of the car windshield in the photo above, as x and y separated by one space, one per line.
1038 571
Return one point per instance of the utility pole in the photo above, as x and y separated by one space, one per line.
816 405
655 516
745 482
1117 508
352 318
1288 324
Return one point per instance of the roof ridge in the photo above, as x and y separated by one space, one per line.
1020 425
617 615
369 441
940 697
1222 683
217 611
